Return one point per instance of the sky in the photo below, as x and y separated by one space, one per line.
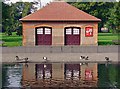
13 1
43 2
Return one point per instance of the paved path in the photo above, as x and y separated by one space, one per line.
61 57
61 54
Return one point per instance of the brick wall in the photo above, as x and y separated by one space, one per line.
58 32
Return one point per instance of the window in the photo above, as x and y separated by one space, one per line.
76 31
89 31
40 31
68 31
47 31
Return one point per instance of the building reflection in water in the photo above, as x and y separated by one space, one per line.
60 75
72 71
43 71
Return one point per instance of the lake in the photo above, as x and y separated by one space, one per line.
61 75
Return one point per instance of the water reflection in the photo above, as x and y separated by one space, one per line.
43 71
61 75
14 78
72 71
109 76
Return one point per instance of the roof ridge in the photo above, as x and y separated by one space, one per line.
59 11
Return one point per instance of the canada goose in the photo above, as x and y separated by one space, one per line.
17 58
45 58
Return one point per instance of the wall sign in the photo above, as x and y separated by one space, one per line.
89 31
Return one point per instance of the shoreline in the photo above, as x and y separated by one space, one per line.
35 62
61 57
62 53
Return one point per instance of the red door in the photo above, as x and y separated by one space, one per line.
72 36
44 36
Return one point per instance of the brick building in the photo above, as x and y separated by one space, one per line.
59 24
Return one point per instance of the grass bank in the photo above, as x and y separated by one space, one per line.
15 40
108 39
11 41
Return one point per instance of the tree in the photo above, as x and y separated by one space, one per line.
113 22
11 15
6 23
26 9
100 10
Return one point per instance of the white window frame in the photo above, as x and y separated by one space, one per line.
47 31
76 31
69 31
40 31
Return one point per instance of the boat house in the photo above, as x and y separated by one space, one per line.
60 24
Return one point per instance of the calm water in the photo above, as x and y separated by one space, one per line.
54 75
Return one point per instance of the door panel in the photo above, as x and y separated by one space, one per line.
40 39
47 40
68 39
44 36
72 36
48 36
76 39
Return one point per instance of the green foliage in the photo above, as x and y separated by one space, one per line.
19 31
6 23
108 12
114 19
26 9
11 15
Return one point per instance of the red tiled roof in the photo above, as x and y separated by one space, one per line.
59 11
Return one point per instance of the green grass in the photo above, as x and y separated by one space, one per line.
11 41
15 40
107 38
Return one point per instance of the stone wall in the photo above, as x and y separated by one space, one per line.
62 49
61 53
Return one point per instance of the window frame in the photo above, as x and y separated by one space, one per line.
40 31
72 30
